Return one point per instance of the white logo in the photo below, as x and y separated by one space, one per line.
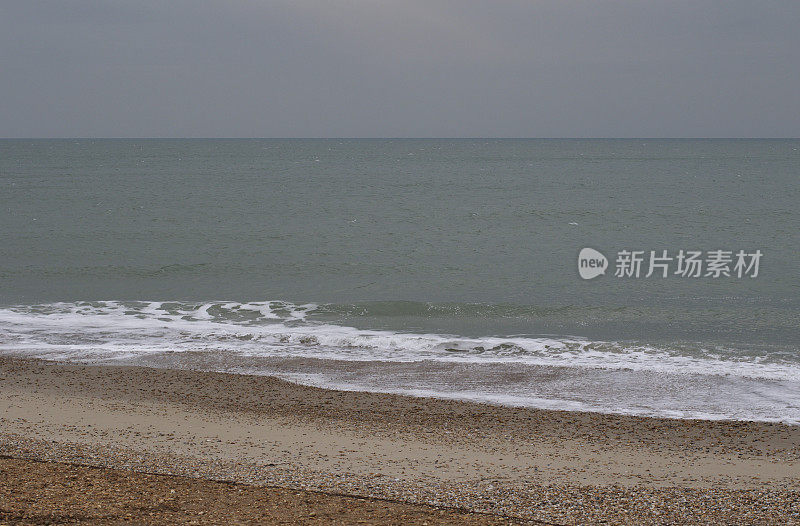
591 263
736 264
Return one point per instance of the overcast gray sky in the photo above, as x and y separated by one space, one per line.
404 68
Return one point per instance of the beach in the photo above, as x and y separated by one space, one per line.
101 495
400 263
485 462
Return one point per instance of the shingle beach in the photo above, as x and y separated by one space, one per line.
259 449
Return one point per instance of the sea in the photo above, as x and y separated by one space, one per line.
429 267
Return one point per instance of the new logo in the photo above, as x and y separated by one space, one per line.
591 263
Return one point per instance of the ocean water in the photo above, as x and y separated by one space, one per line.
429 267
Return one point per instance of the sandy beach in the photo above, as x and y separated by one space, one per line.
409 460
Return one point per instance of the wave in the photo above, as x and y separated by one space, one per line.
319 344
116 330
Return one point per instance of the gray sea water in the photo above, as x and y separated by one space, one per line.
431 267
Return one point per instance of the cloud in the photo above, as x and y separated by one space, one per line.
412 68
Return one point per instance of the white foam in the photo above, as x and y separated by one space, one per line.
756 387
202 312
743 410
149 327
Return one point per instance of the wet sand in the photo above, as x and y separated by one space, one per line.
559 467
55 493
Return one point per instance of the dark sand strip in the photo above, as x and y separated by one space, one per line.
54 493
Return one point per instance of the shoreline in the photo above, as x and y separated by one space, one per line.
555 466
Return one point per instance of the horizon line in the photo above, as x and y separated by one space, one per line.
394 138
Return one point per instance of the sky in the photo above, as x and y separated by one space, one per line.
399 68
